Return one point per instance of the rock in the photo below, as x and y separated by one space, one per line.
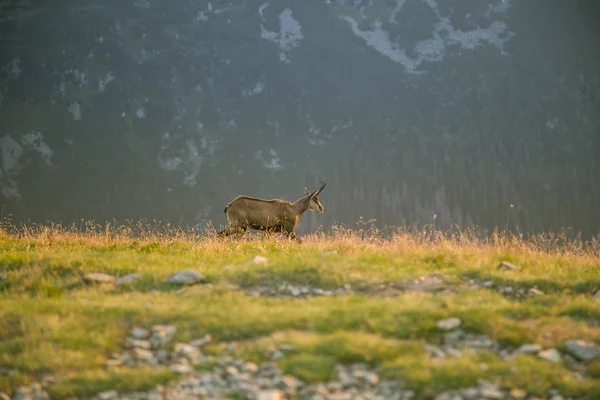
144 355
22 393
260 260
372 378
434 351
108 395
489 390
270 395
291 383
517 394
449 323
330 253
161 335
185 277
529 348
535 292
573 364
491 393
551 355
250 367
339 396
556 397
181 368
444 396
139 333
98 277
453 338
187 351
597 295
202 341
488 284
127 279
231 370
583 351
508 266
144 344
470 393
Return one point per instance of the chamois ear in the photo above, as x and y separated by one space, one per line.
307 192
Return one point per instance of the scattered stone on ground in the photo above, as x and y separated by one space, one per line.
30 392
260 260
223 376
185 277
98 277
597 295
508 266
530 348
227 377
535 292
582 350
426 283
449 323
551 355
127 279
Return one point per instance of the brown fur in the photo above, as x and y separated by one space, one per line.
275 215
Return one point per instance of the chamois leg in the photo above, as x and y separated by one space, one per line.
293 236
232 230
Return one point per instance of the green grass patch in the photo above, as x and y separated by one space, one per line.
51 322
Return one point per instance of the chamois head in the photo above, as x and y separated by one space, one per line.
315 204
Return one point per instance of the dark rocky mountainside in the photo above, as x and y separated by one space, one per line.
448 112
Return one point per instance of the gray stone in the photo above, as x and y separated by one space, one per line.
491 393
127 279
181 368
529 348
270 395
185 277
139 333
597 295
535 292
470 393
260 260
449 323
434 351
517 394
583 351
108 395
201 342
187 351
488 284
144 344
551 355
508 266
372 378
144 355
98 277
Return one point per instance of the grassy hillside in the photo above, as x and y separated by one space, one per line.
344 298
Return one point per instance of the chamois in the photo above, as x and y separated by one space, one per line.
271 216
